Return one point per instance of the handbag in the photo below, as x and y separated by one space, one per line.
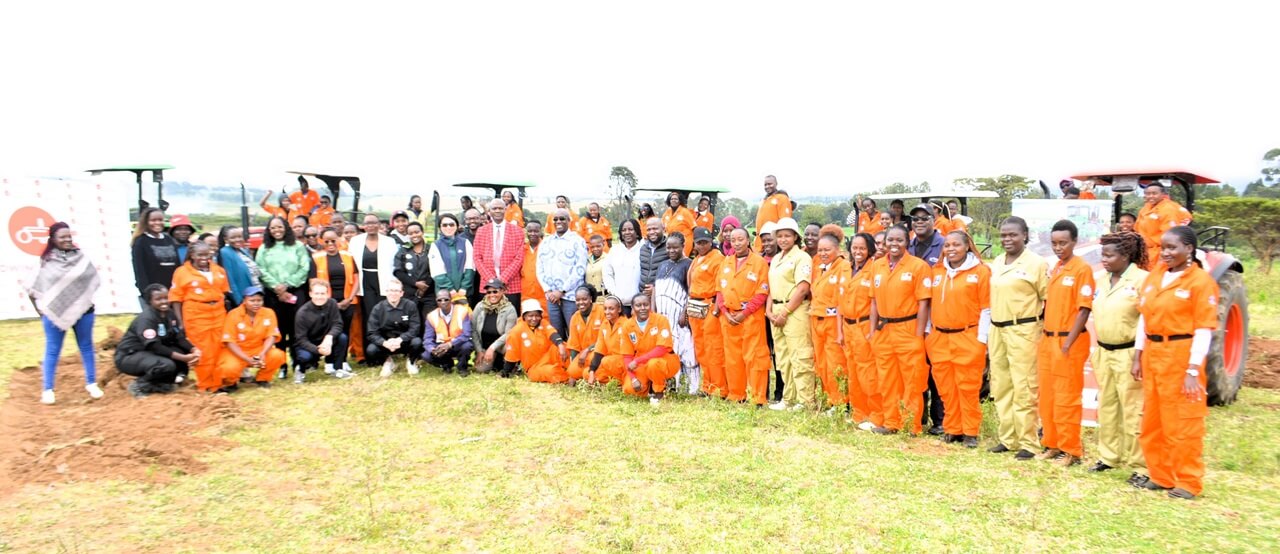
697 309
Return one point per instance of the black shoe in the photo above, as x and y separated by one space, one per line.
228 389
936 430
1181 493
463 372
138 390
448 370
1024 455
1099 467
949 438
999 448
263 384
884 431
969 441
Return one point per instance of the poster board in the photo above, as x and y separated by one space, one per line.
99 218
1092 219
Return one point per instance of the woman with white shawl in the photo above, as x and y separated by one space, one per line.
62 293
671 295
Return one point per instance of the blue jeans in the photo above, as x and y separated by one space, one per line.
304 360
53 337
561 315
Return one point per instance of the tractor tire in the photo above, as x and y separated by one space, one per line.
1225 365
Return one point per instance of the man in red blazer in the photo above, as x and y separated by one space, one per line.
499 250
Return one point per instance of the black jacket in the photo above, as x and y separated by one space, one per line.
387 322
411 267
651 256
313 323
154 261
161 335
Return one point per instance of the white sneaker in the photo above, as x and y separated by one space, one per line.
299 377
387 367
411 367
347 368
866 426
179 379
654 401
328 369
778 406
798 408
343 374
46 397
95 392
831 411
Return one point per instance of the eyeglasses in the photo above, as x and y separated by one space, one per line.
331 241
921 218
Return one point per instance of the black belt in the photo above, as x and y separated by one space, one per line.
1169 338
1022 321
700 299
776 302
946 330
888 320
1120 346
210 303
852 321
1056 333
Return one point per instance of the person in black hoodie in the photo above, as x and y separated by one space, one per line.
319 334
155 253
395 327
155 349
411 268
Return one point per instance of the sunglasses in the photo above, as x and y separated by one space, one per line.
493 291
331 241
559 219
921 218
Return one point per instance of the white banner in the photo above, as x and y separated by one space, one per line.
99 218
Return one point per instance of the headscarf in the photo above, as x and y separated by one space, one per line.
725 245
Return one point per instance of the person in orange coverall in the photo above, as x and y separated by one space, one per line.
535 345
530 288
1159 213
198 290
957 343
584 331
1179 307
248 343
1065 348
647 351
865 400
606 359
743 290
708 339
824 311
900 298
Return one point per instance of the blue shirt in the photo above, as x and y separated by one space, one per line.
930 254
562 262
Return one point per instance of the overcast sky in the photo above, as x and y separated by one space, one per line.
833 98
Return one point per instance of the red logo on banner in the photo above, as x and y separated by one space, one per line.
29 229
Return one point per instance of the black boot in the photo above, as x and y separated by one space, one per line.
463 371
507 369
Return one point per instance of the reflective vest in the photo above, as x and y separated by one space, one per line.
447 331
348 269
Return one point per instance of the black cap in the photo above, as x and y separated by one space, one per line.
399 213
495 283
927 208
701 234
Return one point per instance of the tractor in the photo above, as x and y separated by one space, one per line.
1225 365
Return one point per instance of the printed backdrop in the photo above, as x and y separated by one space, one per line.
99 219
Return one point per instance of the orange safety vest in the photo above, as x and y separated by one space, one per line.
448 330
348 270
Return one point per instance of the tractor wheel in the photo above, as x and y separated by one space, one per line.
1225 364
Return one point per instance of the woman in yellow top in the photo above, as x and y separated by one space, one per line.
1115 323
788 311
1019 283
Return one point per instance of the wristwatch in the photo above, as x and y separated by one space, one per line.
1193 372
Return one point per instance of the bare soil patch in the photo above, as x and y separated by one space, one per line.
118 437
1263 368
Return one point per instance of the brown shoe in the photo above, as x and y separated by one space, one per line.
1066 460
1049 454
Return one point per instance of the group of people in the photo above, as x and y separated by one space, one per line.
894 324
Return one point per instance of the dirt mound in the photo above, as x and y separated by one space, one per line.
118 436
1264 364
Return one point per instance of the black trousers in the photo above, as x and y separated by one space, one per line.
933 408
459 355
285 312
152 370
778 384
375 354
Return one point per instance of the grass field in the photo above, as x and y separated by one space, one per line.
436 463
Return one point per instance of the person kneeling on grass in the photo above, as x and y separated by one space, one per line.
318 334
249 337
394 328
535 345
647 351
155 349
446 337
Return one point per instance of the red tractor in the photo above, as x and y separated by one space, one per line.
1225 364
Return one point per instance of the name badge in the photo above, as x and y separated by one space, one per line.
906 276
877 281
703 267
1182 293
971 279
751 276
832 279
937 280
832 311
1069 281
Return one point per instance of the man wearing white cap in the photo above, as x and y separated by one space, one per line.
537 347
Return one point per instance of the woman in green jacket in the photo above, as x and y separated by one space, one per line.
284 263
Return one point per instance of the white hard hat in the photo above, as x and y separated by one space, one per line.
768 228
530 305
787 224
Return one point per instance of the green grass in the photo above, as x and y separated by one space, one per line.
435 463
1264 301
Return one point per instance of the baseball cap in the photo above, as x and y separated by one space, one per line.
701 234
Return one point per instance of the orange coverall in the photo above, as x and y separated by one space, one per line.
250 334
583 335
824 325
680 221
514 214
609 346
904 375
1070 290
864 383
706 221
869 224
708 338
536 352
958 357
585 228
529 285
1153 221
203 313
746 354
639 345
773 208
1173 425
305 202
